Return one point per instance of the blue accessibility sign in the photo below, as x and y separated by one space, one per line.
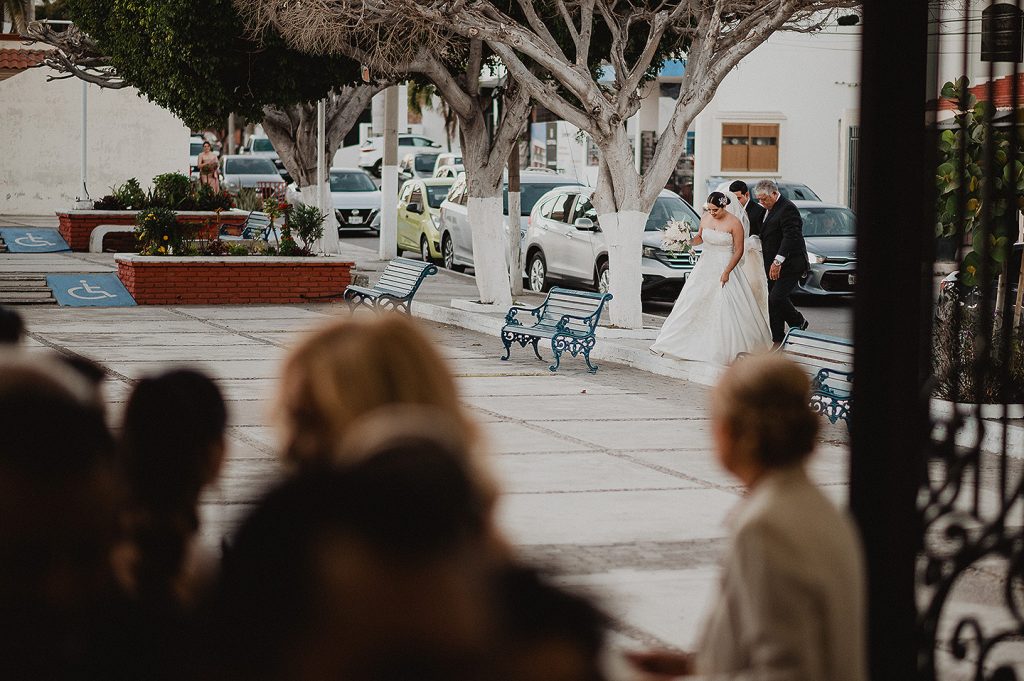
33 240
89 290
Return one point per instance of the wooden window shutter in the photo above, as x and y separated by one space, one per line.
735 145
764 148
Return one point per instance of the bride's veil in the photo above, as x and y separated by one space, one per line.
735 208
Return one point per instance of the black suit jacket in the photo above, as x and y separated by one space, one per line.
782 233
755 212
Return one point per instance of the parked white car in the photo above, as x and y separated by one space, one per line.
259 146
249 171
456 235
354 196
195 147
419 165
564 242
371 154
448 159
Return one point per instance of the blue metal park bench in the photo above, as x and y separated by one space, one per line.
567 318
829 362
395 288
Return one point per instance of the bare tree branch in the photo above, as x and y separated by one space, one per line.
75 55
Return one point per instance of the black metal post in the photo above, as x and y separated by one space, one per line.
890 420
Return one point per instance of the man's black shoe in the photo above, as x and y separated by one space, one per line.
803 326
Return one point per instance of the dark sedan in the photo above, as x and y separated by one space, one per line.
830 232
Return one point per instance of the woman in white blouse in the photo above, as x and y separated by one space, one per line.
791 604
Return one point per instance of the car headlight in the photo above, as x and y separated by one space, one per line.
650 252
815 258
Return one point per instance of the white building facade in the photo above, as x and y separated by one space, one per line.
40 150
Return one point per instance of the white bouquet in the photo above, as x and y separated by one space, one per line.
678 236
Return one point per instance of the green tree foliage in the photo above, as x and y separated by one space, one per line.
963 182
195 59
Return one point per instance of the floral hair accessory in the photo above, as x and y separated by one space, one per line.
718 200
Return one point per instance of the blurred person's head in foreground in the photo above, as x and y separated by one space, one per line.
57 506
761 418
12 328
377 570
358 365
165 471
546 632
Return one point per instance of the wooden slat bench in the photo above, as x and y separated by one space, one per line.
257 226
829 362
567 318
395 288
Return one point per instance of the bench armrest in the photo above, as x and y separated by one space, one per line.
826 373
566 318
510 316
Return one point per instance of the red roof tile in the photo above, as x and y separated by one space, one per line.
1002 93
17 60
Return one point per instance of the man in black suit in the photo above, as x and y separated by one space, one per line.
754 210
785 256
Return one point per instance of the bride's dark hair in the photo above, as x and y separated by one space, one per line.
718 199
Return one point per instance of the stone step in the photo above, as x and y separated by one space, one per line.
27 298
22 276
10 287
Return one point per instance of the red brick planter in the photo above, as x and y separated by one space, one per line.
232 280
77 225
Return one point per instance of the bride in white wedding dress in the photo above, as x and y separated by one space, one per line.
722 310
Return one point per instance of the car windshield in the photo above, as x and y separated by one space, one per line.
436 193
530 193
798 192
262 144
670 208
425 162
831 221
352 182
250 166
195 148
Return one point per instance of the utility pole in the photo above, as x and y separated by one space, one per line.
389 177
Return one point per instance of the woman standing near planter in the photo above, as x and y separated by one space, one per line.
208 167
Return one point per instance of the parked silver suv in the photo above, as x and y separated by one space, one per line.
456 235
564 242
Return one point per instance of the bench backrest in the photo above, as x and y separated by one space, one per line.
256 225
815 351
562 301
403 276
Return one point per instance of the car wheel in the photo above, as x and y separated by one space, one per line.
537 272
448 254
603 283
425 249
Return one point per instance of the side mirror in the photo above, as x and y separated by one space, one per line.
414 207
585 225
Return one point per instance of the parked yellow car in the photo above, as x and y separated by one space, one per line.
419 202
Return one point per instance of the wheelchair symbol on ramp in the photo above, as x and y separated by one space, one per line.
89 292
30 240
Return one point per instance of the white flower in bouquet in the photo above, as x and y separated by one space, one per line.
678 236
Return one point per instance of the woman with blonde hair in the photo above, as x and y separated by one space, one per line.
791 602
353 367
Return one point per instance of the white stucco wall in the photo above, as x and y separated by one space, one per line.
40 147
810 86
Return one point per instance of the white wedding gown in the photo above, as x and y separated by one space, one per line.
715 323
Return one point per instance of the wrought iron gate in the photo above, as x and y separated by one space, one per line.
937 485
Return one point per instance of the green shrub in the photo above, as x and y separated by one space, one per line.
159 233
109 202
207 199
307 223
131 195
248 199
172 190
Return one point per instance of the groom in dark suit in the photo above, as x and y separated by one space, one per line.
785 256
754 210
